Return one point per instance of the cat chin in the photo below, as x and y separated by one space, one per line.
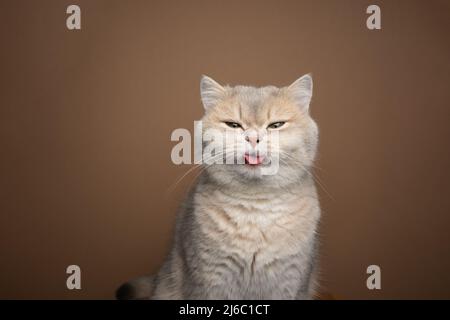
235 174
243 174
241 178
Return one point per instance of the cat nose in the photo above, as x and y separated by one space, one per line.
254 140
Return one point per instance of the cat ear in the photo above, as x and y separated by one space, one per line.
301 90
210 91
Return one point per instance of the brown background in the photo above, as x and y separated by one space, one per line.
86 117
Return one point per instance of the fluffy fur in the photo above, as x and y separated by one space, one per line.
241 234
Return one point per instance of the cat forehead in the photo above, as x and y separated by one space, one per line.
254 105
253 96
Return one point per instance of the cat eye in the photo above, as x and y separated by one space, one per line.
276 125
233 125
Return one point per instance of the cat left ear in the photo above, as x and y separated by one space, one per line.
210 91
301 90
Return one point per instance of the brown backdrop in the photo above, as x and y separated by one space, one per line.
86 118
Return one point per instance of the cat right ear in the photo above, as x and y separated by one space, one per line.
301 91
210 92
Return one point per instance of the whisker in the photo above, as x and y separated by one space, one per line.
315 178
175 184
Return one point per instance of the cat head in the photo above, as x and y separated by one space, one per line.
258 126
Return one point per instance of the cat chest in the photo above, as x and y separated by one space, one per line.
254 239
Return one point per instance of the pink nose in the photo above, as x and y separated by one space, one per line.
254 140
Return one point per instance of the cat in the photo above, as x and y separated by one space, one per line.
241 234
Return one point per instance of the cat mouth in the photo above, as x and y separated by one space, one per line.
253 160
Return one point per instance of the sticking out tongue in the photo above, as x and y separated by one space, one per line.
253 160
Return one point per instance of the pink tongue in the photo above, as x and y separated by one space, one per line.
254 159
